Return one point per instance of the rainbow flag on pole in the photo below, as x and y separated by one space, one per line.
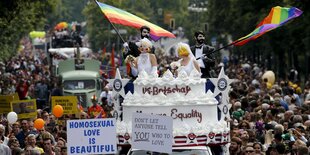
277 17
118 16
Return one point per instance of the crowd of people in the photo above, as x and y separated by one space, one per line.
266 118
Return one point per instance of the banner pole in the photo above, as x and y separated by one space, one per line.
115 29
216 50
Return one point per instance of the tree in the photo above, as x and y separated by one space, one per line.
68 11
17 19
98 28
239 17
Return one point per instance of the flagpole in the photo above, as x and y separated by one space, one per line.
115 29
216 50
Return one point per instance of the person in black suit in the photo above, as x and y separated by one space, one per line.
203 54
132 48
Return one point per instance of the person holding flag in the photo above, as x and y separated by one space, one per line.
147 29
202 53
131 48
146 61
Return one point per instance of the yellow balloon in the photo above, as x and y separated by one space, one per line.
269 85
37 34
270 76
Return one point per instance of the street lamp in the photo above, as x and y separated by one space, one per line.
198 8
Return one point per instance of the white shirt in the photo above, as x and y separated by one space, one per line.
5 150
108 96
5 141
198 54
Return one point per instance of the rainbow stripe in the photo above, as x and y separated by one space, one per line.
277 17
118 16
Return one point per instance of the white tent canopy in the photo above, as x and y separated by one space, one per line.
70 52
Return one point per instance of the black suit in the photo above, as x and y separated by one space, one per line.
208 59
133 50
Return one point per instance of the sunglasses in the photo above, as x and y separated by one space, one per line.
250 151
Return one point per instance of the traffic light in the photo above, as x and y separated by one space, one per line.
172 23
206 27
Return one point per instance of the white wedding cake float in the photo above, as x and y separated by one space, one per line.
184 98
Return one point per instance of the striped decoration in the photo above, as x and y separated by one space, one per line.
118 16
277 17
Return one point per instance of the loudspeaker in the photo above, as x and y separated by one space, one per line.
172 23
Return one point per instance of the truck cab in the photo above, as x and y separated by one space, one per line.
81 78
71 62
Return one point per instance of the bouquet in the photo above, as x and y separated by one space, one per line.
175 65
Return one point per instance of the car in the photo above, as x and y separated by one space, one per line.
194 150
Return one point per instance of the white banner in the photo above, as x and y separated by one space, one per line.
91 136
152 132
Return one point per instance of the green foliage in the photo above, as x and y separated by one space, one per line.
67 11
239 17
235 18
99 29
17 19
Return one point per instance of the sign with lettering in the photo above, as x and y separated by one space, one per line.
5 103
91 136
185 114
154 90
68 103
152 132
24 108
15 96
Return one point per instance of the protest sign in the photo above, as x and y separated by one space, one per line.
68 103
15 96
5 103
91 136
152 132
24 108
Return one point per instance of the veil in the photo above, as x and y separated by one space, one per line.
186 47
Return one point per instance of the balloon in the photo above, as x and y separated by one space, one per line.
37 34
270 76
61 25
12 117
269 85
39 123
58 111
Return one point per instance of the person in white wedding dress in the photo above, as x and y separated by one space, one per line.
145 61
187 61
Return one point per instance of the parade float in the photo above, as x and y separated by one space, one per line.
193 108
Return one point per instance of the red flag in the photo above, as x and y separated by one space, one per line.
113 62
104 50
128 69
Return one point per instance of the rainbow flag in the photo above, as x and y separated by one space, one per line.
118 16
102 114
277 17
